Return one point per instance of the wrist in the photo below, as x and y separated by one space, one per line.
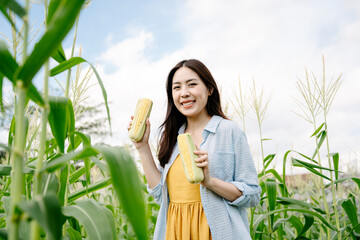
210 183
143 148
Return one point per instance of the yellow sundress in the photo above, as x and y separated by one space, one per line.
186 217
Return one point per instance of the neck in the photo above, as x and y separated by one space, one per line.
198 123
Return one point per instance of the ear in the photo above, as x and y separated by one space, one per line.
211 89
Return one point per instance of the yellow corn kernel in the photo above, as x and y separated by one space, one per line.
138 126
193 173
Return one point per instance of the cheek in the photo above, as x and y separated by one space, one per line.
175 98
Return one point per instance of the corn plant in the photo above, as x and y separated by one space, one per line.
302 210
40 192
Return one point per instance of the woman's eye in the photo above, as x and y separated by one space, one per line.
192 84
176 87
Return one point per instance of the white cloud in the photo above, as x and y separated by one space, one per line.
272 41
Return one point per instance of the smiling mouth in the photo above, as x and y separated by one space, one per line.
188 104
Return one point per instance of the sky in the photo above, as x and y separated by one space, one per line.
134 44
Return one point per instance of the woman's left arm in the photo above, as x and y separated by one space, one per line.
227 190
244 190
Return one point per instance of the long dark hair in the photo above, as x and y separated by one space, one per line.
174 119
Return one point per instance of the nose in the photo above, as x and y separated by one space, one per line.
184 92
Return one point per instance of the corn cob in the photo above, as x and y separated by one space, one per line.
193 173
142 112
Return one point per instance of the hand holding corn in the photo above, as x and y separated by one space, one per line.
193 172
139 126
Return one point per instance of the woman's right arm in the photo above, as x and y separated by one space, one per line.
151 171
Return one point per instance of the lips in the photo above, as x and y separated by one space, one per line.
188 104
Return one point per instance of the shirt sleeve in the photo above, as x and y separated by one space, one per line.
245 175
156 191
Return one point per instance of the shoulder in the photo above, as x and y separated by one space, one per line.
229 127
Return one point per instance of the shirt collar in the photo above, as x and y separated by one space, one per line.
210 127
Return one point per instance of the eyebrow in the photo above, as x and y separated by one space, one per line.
189 80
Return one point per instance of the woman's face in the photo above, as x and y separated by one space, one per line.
189 93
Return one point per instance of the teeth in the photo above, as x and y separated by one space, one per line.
188 103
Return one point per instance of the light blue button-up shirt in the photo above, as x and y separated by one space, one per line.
229 160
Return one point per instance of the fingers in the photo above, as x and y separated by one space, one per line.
202 161
147 130
200 152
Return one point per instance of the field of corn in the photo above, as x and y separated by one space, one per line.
56 184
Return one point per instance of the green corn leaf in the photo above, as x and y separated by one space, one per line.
3 233
278 223
60 161
357 181
78 173
6 147
13 6
127 185
310 159
89 189
87 164
9 66
6 205
104 167
35 96
71 123
59 55
271 196
97 220
263 188
73 234
58 119
79 138
64 173
86 139
300 163
32 138
53 6
65 65
77 143
103 93
11 134
268 159
322 136
282 185
309 221
317 130
61 23
6 15
296 223
315 200
293 220
335 158
273 172
46 210
299 210
5 170
50 183
310 167
350 210
302 204
1 87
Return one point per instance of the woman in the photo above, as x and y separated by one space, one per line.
215 209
